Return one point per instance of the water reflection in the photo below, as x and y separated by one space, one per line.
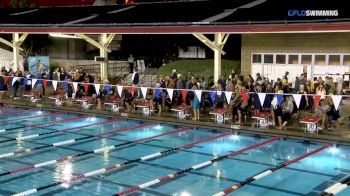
106 152
19 140
64 171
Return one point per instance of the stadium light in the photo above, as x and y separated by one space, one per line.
63 35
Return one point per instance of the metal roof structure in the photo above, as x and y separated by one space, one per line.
191 16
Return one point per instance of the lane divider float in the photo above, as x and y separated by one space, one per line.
336 188
3 108
269 171
71 141
26 137
119 165
195 167
17 112
95 151
29 117
46 123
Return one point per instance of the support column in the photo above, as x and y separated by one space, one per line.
104 53
15 38
217 57
217 46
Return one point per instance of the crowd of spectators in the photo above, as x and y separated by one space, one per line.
212 96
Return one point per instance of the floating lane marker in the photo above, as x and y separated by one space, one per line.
29 117
17 112
58 131
4 108
48 123
112 167
269 171
195 167
336 188
61 143
99 150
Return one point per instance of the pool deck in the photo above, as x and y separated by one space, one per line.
342 137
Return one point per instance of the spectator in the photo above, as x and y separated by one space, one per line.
173 74
131 62
135 78
304 102
321 111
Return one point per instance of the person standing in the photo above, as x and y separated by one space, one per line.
131 63
135 78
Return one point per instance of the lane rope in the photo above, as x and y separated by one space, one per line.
26 137
3 108
195 167
17 112
71 141
269 171
30 117
46 123
95 151
337 187
112 167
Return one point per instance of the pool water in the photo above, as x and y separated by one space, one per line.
310 176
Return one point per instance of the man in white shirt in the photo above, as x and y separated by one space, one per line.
131 63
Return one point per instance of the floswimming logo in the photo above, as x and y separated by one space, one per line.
313 13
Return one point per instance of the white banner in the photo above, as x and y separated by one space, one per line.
198 94
75 86
336 100
14 79
120 90
170 92
33 82
297 98
262 97
228 96
144 92
97 88
54 84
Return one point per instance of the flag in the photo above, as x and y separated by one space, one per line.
86 87
97 88
14 79
184 94
198 94
65 86
54 84
44 83
212 95
297 99
171 93
316 99
228 96
6 79
33 82
144 92
120 90
245 96
75 86
132 91
24 81
336 100
108 88
262 97
157 92
279 99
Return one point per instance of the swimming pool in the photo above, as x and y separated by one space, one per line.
55 153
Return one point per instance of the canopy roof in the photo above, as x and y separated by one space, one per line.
203 16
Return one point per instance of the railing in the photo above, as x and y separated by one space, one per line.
112 68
